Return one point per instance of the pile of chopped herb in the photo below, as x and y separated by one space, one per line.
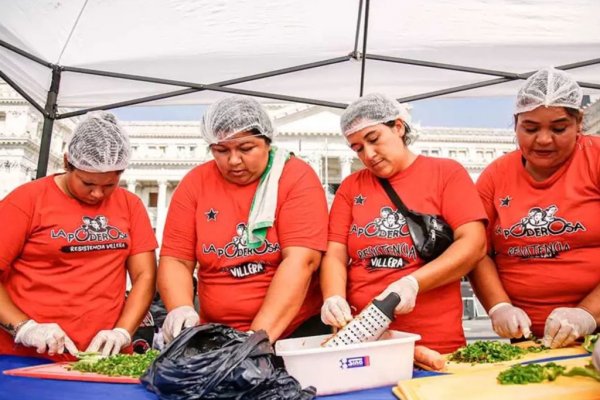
536 373
133 365
483 352
532 373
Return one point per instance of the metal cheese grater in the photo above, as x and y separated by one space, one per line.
369 325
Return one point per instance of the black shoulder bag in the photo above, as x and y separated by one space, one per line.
430 233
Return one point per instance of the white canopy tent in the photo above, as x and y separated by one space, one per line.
67 57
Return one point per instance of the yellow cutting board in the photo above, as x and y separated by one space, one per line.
453 367
482 385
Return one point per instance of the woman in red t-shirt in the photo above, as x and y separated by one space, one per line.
543 202
68 241
370 251
254 221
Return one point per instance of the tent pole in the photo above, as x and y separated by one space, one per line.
265 95
497 81
25 54
454 89
263 75
355 52
364 52
483 71
452 67
49 117
23 93
197 87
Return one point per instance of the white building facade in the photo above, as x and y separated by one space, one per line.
20 137
591 121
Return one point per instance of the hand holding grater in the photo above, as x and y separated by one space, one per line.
369 325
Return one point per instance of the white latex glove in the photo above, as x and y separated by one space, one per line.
566 324
407 288
509 321
336 311
46 338
596 357
110 341
178 319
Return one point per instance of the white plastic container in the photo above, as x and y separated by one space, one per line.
352 367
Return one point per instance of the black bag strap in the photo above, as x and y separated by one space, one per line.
387 186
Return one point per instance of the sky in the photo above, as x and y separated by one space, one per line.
482 112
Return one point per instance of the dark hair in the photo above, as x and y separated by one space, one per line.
256 132
573 112
408 137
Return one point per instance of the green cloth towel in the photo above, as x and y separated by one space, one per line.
264 203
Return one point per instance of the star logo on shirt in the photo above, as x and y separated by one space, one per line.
359 200
211 215
505 202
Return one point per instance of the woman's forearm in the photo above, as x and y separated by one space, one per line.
287 291
458 259
333 272
142 271
175 282
486 284
591 303
10 314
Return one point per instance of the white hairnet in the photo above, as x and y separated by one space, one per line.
99 144
369 110
549 87
232 115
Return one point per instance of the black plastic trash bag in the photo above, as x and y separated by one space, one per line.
214 361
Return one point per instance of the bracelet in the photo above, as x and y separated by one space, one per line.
13 330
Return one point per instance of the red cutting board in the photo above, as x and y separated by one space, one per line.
60 371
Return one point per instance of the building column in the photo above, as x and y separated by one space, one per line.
345 166
161 208
315 161
132 185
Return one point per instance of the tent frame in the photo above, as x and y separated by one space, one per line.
50 109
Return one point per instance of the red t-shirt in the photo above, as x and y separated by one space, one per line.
207 221
64 261
380 248
545 236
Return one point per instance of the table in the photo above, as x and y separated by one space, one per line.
21 388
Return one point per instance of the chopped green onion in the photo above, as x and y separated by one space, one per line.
482 352
133 365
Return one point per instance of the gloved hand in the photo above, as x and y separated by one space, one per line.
565 324
596 357
336 311
407 288
110 341
509 321
177 319
45 337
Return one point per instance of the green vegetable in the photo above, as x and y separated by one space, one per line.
588 371
536 373
133 365
88 357
589 342
88 354
481 352
532 373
